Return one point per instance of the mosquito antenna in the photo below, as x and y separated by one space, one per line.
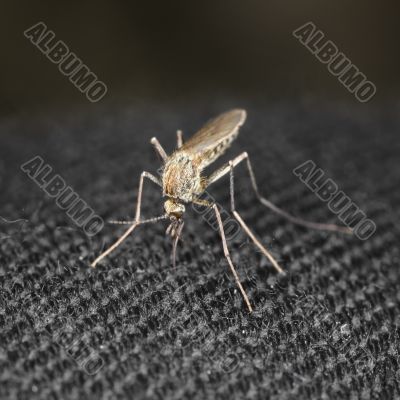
121 222
125 235
155 219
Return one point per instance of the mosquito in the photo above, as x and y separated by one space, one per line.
182 182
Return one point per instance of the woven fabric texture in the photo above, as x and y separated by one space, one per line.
135 327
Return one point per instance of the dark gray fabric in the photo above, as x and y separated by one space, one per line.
137 328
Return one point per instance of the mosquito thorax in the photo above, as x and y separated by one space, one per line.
173 208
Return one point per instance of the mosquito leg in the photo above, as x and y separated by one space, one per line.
228 258
114 246
291 218
160 150
179 139
136 222
225 169
153 178
244 225
218 175
299 221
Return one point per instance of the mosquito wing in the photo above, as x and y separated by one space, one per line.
215 136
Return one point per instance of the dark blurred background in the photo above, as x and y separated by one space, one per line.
329 329
165 51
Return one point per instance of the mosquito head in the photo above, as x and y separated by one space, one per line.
174 209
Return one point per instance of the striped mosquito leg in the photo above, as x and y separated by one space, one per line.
228 258
136 222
